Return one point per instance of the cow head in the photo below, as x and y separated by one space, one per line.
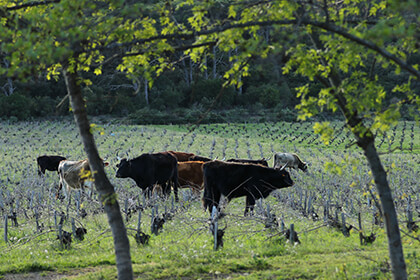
123 169
285 177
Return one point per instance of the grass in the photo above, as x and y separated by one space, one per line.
184 248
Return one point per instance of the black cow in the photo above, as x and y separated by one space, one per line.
238 179
252 161
149 169
48 163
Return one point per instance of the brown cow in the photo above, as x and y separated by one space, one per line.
190 174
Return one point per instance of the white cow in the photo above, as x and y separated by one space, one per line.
75 175
291 160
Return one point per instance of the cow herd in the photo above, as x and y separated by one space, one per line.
169 170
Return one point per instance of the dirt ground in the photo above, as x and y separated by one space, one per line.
46 275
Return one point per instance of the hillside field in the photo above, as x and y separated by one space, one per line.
336 190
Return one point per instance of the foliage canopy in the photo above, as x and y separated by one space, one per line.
149 38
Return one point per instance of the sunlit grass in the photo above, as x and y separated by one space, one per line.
184 248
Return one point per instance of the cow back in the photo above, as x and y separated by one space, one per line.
149 169
262 162
199 158
238 179
74 173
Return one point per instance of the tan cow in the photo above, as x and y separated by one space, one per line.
282 160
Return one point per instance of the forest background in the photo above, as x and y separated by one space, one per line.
183 94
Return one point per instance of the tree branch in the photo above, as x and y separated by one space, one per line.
32 4
370 45
322 25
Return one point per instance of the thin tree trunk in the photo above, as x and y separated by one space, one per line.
214 63
398 266
206 73
191 70
8 88
146 90
366 141
103 185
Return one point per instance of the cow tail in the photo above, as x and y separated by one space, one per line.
60 184
206 200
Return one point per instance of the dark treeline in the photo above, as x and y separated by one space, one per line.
177 96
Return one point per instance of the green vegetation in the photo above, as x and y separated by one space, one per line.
184 247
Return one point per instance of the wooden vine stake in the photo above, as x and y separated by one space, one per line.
139 222
73 227
292 233
213 226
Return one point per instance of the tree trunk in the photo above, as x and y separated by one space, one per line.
366 141
103 185
399 269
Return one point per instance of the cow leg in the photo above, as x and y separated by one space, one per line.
175 183
41 171
60 186
68 191
250 202
215 201
166 189
159 190
176 191
205 200
148 191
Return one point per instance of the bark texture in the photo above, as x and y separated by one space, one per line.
396 254
103 185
